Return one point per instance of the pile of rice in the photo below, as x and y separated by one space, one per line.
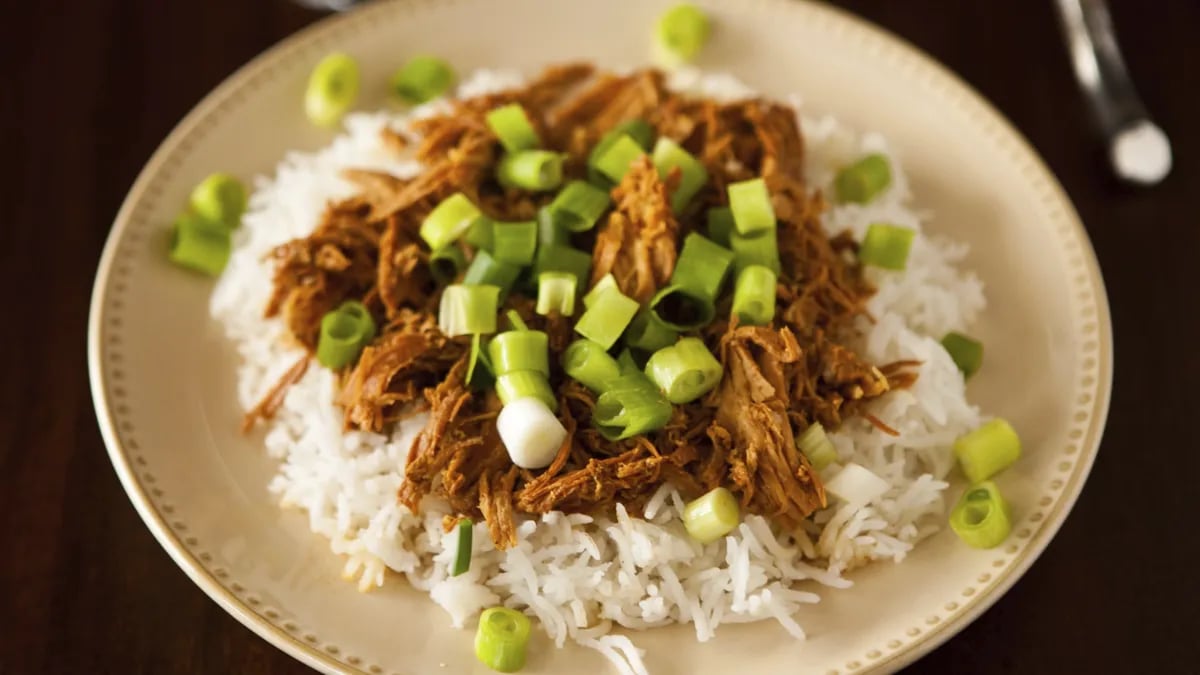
581 576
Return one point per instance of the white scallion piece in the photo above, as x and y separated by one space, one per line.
856 485
531 433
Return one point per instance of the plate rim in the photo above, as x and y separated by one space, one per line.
234 88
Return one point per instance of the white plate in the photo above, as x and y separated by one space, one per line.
163 377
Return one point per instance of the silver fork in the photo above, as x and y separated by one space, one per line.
1138 149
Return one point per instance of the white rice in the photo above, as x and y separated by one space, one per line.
580 576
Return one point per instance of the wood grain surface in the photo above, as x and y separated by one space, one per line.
91 88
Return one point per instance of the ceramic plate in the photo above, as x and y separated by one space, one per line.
163 376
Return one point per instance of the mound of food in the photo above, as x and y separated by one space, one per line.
678 360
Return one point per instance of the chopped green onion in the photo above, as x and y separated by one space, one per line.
864 180
647 333
479 235
445 264
719 225
525 384
220 198
550 231
535 170
750 203
685 371
514 243
607 283
422 79
515 320
531 433
590 364
556 293
462 551
761 248
487 271
479 370
359 312
627 363
468 310
816 446
680 34
981 518
754 296
449 220
702 266
607 318
886 246
857 485
579 205
712 516
341 339
501 638
517 350
988 450
614 163
967 352
630 406
682 309
199 244
559 258
511 125
639 130
667 156
332 88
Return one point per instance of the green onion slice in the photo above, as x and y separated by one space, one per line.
591 365
534 170
607 318
359 312
614 163
864 180
485 270
501 639
449 220
422 79
515 320
750 203
630 406
579 205
627 363
556 293
682 309
607 283
479 235
199 244
680 34
712 516
719 223
332 88
511 125
754 296
981 518
760 248
669 155
886 246
342 337
649 334
479 369
517 350
637 129
445 264
468 310
525 384
462 551
702 266
514 243
988 450
816 446
966 351
559 258
550 230
684 371
220 198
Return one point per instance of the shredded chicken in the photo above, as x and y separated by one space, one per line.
777 379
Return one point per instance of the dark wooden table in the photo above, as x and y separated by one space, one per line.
92 86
